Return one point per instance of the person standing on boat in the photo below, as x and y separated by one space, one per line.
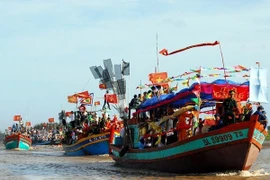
262 116
265 121
229 106
106 101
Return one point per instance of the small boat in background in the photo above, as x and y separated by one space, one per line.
17 141
96 144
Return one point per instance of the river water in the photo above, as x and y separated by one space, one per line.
49 162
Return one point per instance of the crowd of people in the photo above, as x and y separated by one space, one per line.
36 135
164 125
83 123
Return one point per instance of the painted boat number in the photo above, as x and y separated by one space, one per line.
222 138
97 138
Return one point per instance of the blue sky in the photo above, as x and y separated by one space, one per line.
47 47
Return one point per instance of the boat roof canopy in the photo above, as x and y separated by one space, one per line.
184 96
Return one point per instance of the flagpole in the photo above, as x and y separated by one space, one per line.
141 87
199 97
157 70
223 64
259 64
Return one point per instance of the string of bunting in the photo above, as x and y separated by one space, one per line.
229 72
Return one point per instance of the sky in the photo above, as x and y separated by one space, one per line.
47 47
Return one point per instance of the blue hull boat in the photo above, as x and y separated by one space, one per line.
96 144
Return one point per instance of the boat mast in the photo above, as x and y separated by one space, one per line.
223 64
157 68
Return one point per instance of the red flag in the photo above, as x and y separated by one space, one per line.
157 78
28 124
165 51
72 99
68 113
83 94
102 86
51 120
97 103
17 118
111 98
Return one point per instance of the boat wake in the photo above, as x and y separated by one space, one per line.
259 172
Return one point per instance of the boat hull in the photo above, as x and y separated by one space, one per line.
19 142
92 145
234 147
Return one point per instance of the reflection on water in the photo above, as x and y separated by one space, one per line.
49 162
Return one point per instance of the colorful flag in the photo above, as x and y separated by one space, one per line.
83 94
175 88
51 120
165 51
112 98
17 118
86 101
97 103
28 124
158 78
72 99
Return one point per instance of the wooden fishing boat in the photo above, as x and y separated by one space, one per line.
234 147
231 147
96 144
17 141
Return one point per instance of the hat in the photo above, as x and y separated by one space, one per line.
260 108
232 91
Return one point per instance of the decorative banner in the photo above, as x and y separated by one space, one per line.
221 92
72 99
258 85
112 98
165 51
17 118
97 103
28 124
157 78
51 120
83 94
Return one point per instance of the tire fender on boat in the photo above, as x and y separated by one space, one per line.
123 150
